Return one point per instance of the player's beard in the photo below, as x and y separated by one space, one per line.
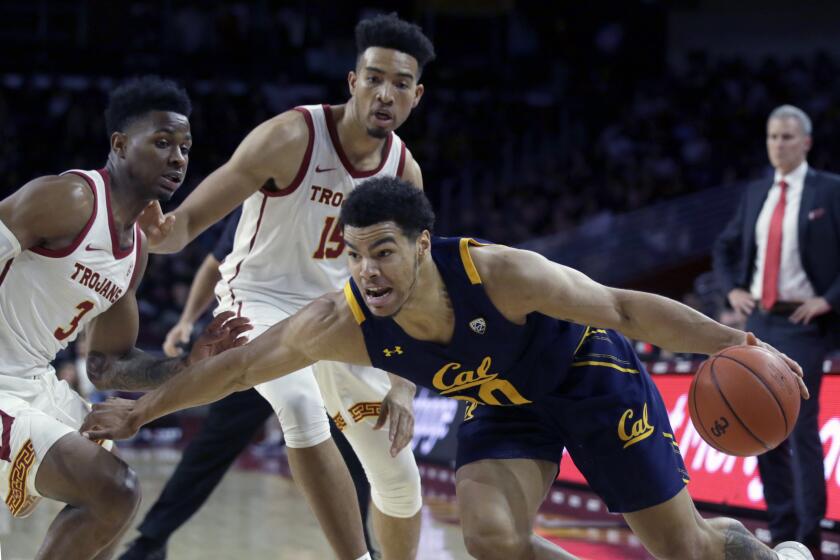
378 133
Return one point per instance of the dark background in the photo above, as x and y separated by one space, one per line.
570 127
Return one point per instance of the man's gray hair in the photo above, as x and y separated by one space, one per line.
790 111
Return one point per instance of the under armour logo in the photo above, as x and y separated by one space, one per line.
479 325
388 353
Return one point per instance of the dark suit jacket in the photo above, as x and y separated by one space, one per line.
819 238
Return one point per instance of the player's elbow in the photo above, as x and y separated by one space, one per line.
100 379
99 369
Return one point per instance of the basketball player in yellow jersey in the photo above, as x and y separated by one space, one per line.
291 174
503 330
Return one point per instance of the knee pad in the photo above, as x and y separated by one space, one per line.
394 481
397 494
298 404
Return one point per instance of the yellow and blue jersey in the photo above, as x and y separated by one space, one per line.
534 389
490 360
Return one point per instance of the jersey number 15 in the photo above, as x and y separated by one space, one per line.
332 240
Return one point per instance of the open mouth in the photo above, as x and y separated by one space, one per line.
377 296
383 117
171 181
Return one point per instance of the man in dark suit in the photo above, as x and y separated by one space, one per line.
778 261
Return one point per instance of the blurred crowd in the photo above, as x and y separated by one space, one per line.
541 121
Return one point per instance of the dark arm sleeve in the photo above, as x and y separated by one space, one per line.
224 245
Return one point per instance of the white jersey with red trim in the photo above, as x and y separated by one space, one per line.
288 248
48 296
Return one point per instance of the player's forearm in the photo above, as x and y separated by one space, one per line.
133 371
672 325
177 238
204 382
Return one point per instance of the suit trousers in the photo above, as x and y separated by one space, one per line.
793 474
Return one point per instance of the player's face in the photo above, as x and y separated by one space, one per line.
384 89
787 144
155 150
384 264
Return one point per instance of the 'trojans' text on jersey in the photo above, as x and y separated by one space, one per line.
96 282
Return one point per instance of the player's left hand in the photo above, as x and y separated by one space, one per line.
810 309
752 340
398 408
224 332
110 420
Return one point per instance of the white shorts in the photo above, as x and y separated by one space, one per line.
349 393
352 396
36 412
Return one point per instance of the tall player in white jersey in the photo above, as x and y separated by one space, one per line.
71 256
292 173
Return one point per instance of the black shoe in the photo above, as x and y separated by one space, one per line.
143 548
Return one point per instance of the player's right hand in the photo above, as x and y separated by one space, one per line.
155 224
111 419
177 336
752 340
741 300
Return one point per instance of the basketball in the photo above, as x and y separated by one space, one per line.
744 400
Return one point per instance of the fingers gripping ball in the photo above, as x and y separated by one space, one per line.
744 401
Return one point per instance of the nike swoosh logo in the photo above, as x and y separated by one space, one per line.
319 170
90 247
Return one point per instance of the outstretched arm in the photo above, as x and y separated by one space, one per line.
272 151
318 331
113 361
521 282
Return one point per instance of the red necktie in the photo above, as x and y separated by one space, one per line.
773 256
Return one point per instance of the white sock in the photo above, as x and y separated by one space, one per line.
365 556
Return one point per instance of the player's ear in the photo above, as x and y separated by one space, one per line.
351 82
424 243
418 93
118 143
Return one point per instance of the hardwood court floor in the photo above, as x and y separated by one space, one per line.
250 516
258 514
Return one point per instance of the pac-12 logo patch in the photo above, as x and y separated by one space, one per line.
479 325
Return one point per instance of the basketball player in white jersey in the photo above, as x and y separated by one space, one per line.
71 256
292 173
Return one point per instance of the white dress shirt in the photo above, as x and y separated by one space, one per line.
793 283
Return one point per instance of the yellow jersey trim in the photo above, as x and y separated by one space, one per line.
355 309
582 338
605 364
466 258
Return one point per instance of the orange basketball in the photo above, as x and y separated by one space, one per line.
744 400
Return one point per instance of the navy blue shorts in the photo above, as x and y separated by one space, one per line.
609 415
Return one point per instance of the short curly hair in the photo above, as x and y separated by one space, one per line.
388 199
391 32
137 97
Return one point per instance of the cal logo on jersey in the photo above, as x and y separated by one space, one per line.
638 430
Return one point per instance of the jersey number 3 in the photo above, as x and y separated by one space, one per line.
332 241
62 333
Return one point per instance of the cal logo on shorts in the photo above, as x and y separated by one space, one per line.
633 431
